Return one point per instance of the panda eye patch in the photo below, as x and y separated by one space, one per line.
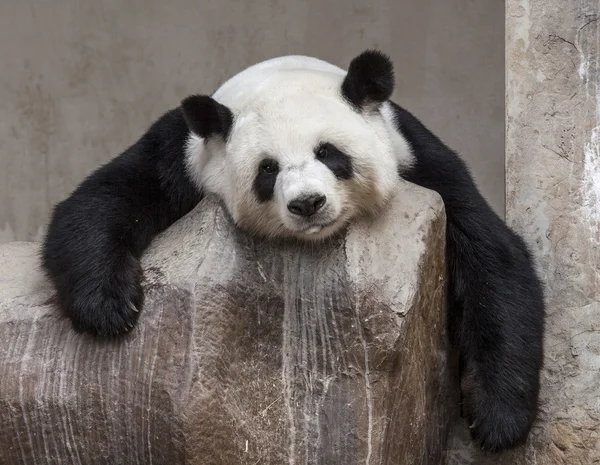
337 161
264 182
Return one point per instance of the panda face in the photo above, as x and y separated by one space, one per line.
290 154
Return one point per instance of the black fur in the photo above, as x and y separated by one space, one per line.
495 301
369 81
264 182
337 161
495 298
96 236
206 117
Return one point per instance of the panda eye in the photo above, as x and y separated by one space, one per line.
269 167
323 152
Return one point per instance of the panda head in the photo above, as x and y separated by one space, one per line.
297 147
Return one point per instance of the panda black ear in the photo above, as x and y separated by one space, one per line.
206 117
370 80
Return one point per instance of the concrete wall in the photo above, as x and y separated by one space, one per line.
80 81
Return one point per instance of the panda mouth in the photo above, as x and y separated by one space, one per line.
314 229
317 228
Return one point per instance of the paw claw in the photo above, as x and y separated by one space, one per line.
497 423
107 311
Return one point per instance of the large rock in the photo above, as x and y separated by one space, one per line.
553 197
247 352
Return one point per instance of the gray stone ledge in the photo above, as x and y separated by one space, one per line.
247 352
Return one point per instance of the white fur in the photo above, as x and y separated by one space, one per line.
283 108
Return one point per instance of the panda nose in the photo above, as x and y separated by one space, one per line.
307 206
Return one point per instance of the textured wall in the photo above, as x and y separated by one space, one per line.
80 81
553 186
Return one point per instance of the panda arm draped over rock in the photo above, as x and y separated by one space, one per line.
297 147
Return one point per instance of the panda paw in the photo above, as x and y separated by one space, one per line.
107 305
106 315
499 419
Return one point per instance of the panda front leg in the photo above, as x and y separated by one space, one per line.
96 236
89 254
495 298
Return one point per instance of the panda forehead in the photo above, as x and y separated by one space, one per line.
295 114
296 110
290 130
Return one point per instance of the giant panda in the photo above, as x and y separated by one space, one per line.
297 147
